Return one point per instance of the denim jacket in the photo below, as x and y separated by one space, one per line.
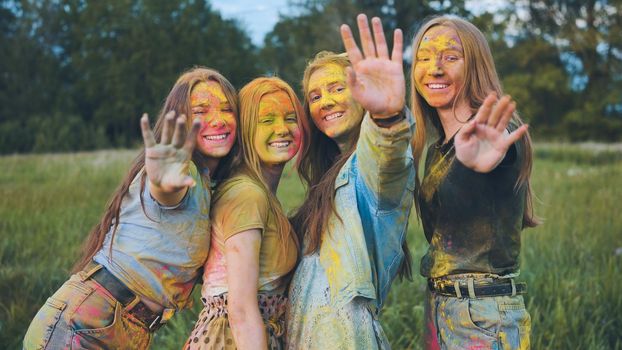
362 250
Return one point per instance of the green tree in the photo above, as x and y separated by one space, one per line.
314 26
587 35
101 64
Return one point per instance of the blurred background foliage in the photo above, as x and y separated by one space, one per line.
76 74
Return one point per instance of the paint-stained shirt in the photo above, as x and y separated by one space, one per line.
241 204
158 250
337 292
471 220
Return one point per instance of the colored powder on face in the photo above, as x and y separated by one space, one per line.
208 94
277 120
438 40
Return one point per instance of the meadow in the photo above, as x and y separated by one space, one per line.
572 263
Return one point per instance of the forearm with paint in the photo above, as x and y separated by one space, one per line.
384 161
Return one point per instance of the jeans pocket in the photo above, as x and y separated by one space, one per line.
96 311
43 325
104 336
484 316
515 325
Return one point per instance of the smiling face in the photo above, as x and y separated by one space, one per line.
210 105
439 67
277 134
333 110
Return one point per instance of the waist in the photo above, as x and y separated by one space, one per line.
476 285
439 262
270 305
271 308
153 276
152 315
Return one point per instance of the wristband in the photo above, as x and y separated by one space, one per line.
387 122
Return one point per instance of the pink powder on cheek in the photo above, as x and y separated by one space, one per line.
296 136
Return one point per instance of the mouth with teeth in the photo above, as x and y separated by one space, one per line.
217 137
437 86
333 116
279 144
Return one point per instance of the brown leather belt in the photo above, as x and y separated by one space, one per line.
152 320
459 290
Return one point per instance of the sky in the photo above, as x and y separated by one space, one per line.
259 17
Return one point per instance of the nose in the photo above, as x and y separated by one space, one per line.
281 129
217 123
327 101
438 67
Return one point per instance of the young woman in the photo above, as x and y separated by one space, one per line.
360 178
253 245
475 196
141 261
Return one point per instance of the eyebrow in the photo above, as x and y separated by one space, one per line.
334 82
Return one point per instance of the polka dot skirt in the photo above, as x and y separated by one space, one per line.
212 330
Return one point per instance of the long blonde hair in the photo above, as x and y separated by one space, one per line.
319 167
480 79
178 100
247 160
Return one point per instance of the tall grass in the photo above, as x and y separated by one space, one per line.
572 263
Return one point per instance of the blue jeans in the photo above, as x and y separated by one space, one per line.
486 323
82 314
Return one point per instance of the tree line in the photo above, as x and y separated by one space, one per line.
76 74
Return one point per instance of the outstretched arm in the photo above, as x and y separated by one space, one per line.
166 163
482 143
375 79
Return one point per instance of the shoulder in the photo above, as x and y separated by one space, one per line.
240 188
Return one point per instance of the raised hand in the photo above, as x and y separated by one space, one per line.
166 163
482 143
375 79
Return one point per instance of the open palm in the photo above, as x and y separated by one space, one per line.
483 142
166 163
375 79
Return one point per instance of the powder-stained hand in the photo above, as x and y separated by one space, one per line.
166 163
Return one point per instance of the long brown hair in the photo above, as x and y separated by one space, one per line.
247 160
319 166
480 79
178 100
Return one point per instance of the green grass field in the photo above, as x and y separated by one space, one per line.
572 263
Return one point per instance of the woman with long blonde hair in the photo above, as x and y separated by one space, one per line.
360 177
254 247
142 260
475 197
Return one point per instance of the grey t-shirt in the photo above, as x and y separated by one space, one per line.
157 253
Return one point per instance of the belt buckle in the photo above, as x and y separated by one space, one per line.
439 284
161 319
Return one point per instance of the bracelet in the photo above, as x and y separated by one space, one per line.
387 122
